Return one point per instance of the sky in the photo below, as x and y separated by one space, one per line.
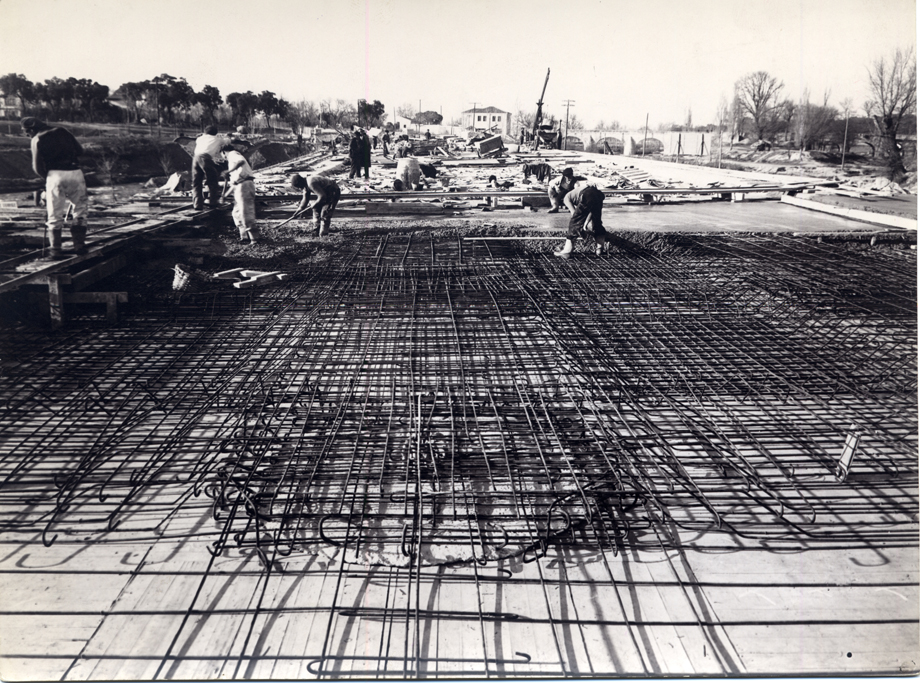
617 60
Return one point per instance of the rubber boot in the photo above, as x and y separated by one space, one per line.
326 223
253 234
566 251
78 235
318 226
54 251
600 246
214 196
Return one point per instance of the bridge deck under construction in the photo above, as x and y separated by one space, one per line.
429 454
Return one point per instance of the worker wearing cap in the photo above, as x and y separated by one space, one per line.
356 154
585 202
55 157
327 197
208 148
559 187
239 177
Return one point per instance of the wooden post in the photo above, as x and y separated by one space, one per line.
645 139
846 128
56 300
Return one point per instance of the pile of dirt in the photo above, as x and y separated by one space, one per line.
268 153
135 159
16 164
884 185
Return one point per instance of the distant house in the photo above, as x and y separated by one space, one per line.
10 107
486 118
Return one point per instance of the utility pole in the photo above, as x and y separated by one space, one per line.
645 139
720 141
846 129
156 82
565 142
473 120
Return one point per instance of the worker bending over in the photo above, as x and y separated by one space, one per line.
204 167
559 187
55 153
239 177
327 197
408 174
585 202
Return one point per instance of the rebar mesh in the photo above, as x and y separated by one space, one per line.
421 402
400 403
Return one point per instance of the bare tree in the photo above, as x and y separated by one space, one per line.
524 119
575 123
607 125
813 121
893 84
758 96
301 115
406 110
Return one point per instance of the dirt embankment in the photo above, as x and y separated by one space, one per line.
126 159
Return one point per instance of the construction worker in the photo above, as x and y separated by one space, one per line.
239 177
408 174
327 197
208 148
403 147
359 154
559 187
55 153
365 153
585 202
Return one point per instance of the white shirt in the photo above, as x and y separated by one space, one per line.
211 144
239 167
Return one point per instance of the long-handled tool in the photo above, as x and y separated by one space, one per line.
296 214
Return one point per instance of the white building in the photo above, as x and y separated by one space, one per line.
10 106
486 118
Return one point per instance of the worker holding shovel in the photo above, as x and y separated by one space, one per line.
327 197
239 177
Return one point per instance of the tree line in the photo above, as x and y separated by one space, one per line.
759 111
758 108
171 100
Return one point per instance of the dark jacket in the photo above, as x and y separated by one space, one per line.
55 149
356 149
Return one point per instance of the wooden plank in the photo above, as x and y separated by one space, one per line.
387 208
92 275
56 300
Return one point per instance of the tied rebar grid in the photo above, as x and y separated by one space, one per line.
423 401
405 404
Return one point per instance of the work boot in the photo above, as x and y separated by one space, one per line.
555 209
78 235
55 253
318 227
214 196
566 251
326 223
